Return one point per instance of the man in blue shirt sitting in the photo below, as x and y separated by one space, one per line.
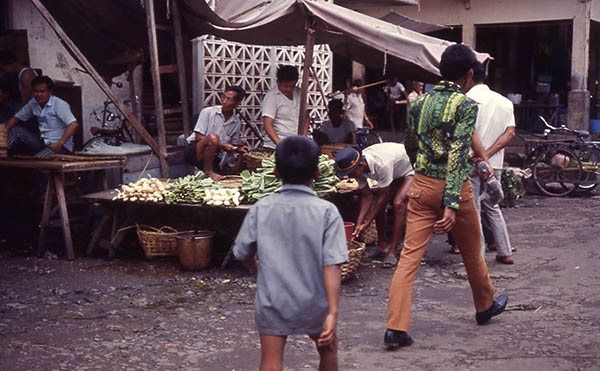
56 121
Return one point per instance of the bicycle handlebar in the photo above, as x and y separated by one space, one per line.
580 133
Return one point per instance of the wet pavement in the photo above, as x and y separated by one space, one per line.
133 314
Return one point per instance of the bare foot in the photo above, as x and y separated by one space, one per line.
214 176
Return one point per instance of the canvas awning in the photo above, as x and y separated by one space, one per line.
365 39
411 23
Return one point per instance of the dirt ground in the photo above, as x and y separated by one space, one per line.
132 314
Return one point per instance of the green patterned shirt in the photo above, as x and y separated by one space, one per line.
438 138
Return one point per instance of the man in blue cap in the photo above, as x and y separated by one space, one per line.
389 165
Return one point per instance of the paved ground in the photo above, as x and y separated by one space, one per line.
132 314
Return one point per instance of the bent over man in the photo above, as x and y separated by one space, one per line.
439 134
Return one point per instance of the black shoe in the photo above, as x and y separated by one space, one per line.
396 338
497 307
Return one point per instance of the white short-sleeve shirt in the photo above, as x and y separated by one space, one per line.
283 111
386 162
495 114
395 91
337 134
355 109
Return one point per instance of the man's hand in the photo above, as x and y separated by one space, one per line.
477 160
228 147
358 230
243 149
329 329
447 222
55 146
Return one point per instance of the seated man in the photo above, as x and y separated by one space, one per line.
56 122
389 165
338 129
216 136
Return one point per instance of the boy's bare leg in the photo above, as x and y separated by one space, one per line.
271 352
399 203
327 354
206 149
381 226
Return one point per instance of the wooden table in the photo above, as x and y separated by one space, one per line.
57 166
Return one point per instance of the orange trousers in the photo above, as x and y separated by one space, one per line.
424 209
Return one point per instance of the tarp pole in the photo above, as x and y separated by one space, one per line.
308 57
97 78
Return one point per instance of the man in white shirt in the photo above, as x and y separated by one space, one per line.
355 106
216 136
495 127
337 129
281 108
389 165
396 95
417 90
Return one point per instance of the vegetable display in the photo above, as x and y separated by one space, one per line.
263 182
144 190
189 189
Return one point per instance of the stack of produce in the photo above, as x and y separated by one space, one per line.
263 182
144 190
189 189
222 196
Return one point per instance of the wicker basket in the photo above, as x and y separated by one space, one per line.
355 252
253 160
369 235
231 181
331 149
3 141
158 241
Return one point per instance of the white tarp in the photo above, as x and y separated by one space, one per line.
365 39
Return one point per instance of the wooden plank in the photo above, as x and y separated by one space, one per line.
97 78
64 214
98 232
167 68
158 103
170 111
183 92
308 57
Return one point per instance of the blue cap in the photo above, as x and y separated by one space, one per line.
347 160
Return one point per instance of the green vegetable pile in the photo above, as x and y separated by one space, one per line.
263 182
189 189
512 187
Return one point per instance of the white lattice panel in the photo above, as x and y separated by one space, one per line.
253 67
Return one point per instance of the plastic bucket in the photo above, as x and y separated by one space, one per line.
595 126
195 249
349 228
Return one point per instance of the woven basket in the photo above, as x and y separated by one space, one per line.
355 252
3 141
369 235
231 181
253 160
331 149
158 241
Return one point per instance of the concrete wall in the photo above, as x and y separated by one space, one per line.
47 53
455 12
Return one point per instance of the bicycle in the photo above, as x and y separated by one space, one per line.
563 166
112 130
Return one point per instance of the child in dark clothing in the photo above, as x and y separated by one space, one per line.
298 241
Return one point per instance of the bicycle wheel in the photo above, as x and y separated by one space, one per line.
99 141
590 177
557 172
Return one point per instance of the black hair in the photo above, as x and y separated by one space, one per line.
336 104
287 73
239 92
7 57
479 72
456 60
38 80
297 159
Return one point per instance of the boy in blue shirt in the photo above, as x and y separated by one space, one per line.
296 241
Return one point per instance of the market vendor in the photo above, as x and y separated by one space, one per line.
23 74
281 108
337 129
389 165
216 137
56 122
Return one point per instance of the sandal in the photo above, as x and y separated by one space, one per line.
390 261
373 252
454 250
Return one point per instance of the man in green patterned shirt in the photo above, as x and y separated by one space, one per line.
440 132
